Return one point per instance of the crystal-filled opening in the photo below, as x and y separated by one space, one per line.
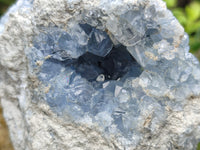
90 53
115 65
83 68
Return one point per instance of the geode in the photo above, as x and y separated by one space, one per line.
99 74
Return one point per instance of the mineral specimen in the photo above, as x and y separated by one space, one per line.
100 74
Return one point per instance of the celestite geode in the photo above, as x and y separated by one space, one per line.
120 67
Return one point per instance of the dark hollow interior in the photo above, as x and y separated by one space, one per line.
113 66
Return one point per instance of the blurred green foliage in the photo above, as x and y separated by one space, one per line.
198 146
4 4
188 14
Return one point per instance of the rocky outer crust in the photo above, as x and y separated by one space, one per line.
44 130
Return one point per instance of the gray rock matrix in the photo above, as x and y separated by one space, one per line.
98 75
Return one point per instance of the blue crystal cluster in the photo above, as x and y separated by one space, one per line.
116 69
89 81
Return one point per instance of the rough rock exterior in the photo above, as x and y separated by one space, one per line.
99 74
